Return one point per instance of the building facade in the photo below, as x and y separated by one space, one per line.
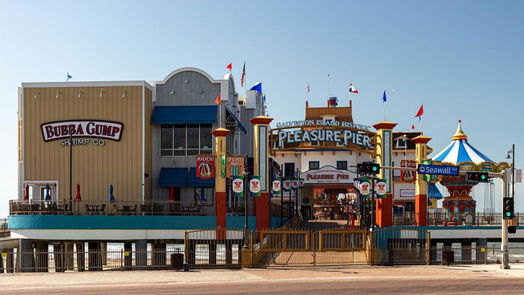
323 151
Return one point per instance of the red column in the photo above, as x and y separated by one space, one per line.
262 211
421 209
220 205
384 213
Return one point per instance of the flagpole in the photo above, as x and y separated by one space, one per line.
385 110
329 85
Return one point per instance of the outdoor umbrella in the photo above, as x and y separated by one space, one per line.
111 197
78 197
47 192
26 193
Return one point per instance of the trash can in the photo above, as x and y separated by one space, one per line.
177 261
448 256
186 267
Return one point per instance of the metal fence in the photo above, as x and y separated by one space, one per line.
455 219
61 261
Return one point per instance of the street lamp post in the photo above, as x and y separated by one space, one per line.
281 196
71 169
246 192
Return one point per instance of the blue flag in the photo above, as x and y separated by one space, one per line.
384 99
257 87
68 77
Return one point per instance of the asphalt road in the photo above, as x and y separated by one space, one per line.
318 287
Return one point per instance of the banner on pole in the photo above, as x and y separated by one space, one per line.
254 186
277 185
380 188
205 166
235 165
238 186
286 185
223 165
294 183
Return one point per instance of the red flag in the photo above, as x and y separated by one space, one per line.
217 100
307 88
420 111
412 126
243 76
352 88
230 67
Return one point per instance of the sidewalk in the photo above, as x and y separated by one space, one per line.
112 278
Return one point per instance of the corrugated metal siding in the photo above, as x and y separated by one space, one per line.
94 167
149 144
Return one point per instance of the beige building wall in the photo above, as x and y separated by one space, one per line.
120 163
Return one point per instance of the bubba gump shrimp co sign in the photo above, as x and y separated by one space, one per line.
101 130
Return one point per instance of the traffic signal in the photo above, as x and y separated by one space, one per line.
368 168
507 209
477 176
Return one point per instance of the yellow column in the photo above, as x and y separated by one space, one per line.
261 162
383 146
220 182
421 187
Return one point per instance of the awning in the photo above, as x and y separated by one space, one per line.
176 177
193 181
184 115
433 192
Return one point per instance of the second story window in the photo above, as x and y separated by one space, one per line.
314 165
401 143
185 140
289 169
342 165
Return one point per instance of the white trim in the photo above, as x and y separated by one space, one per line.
21 167
143 142
85 84
186 69
106 234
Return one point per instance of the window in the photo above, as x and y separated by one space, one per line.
342 165
289 169
185 140
314 165
401 143
204 196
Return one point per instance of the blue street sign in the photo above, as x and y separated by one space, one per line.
438 170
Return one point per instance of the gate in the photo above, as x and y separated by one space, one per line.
213 248
281 248
394 246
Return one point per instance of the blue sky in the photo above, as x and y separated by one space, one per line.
461 59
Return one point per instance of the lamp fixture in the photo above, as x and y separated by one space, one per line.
58 92
172 91
36 95
80 94
187 81
102 92
124 94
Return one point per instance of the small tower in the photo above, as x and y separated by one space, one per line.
461 153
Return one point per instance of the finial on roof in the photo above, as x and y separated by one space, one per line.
459 134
